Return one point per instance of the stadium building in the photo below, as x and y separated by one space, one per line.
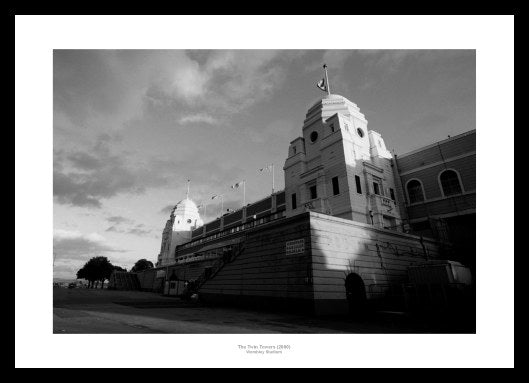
345 232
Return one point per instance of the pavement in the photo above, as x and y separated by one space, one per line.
101 311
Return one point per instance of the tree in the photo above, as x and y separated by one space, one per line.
142 264
96 269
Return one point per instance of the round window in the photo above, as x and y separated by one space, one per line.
313 136
360 132
188 221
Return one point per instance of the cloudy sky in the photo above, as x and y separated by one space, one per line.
130 127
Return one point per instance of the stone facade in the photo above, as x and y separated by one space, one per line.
339 167
438 185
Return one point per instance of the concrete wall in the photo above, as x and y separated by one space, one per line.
270 272
380 257
266 273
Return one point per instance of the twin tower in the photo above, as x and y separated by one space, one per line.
338 167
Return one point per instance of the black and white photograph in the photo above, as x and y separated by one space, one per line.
262 193
246 177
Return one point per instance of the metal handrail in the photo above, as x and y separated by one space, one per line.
218 265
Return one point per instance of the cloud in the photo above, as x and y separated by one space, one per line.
84 161
74 245
223 80
389 61
87 190
382 65
198 118
68 189
123 175
189 81
167 209
119 219
84 178
99 91
138 230
92 89
245 76
125 225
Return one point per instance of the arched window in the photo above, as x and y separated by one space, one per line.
450 183
415 193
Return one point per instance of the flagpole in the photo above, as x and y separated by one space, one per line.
244 193
187 194
327 79
273 178
221 204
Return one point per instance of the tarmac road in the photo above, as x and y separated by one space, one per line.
91 311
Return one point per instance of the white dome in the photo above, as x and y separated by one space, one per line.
329 98
186 205
186 215
331 104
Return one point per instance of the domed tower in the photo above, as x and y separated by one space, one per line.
341 168
183 219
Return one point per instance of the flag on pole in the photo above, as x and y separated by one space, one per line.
238 184
321 84
267 168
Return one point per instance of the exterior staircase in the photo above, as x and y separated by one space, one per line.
214 269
